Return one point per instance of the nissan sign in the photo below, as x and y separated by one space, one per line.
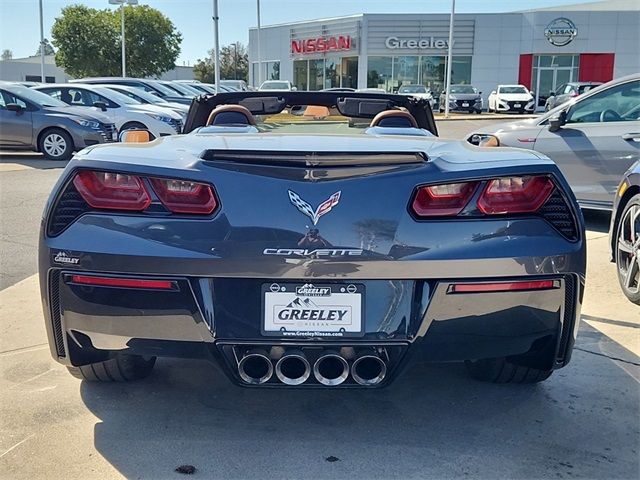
321 44
560 32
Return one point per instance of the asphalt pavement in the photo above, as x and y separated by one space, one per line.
433 422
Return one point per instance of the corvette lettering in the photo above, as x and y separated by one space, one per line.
316 252
297 314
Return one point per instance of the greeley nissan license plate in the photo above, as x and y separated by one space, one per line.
313 310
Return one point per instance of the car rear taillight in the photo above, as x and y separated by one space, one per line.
503 286
443 200
184 196
514 195
111 190
95 281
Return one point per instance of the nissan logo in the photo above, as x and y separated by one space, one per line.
560 32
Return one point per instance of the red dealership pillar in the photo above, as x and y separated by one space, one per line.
595 67
526 70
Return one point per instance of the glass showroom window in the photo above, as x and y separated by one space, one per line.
432 73
380 72
300 74
270 71
349 72
331 72
328 73
405 71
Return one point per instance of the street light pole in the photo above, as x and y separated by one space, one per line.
122 3
216 56
449 59
124 60
259 51
42 77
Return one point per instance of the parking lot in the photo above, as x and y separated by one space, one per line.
433 422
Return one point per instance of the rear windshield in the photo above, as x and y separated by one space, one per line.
585 88
515 89
412 89
275 86
463 89
34 96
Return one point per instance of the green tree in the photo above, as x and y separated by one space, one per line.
6 54
89 44
48 49
234 64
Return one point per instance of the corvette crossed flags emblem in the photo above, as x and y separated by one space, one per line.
323 208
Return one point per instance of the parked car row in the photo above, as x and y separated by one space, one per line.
58 119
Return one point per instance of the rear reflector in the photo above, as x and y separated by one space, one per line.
515 195
502 286
110 190
443 200
123 282
184 196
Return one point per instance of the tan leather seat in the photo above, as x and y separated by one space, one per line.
394 119
230 115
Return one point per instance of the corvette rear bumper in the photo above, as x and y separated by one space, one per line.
220 318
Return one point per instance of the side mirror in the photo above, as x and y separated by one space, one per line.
533 94
551 93
294 89
14 107
479 93
493 92
101 105
135 136
444 92
555 123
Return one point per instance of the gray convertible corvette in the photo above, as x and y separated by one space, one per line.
309 250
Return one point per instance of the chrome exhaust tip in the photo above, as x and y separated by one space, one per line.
255 368
368 370
293 368
331 369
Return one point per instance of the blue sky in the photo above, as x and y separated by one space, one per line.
19 27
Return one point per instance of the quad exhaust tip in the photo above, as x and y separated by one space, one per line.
368 370
255 367
331 369
293 368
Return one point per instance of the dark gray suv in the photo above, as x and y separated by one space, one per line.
31 120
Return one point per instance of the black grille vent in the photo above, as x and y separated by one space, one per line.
69 207
557 212
54 303
569 316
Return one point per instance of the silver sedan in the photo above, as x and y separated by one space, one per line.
594 138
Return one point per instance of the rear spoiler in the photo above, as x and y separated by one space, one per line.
313 159
349 104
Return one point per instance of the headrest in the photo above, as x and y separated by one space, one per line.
231 115
394 119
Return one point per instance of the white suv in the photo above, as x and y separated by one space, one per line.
124 111
512 98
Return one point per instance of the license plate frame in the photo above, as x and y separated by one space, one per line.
322 298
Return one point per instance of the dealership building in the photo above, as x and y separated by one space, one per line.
541 49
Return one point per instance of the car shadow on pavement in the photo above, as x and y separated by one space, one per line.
433 421
30 160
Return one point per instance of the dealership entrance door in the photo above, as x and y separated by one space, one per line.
552 71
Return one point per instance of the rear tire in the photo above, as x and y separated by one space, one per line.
121 368
627 262
500 370
55 144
